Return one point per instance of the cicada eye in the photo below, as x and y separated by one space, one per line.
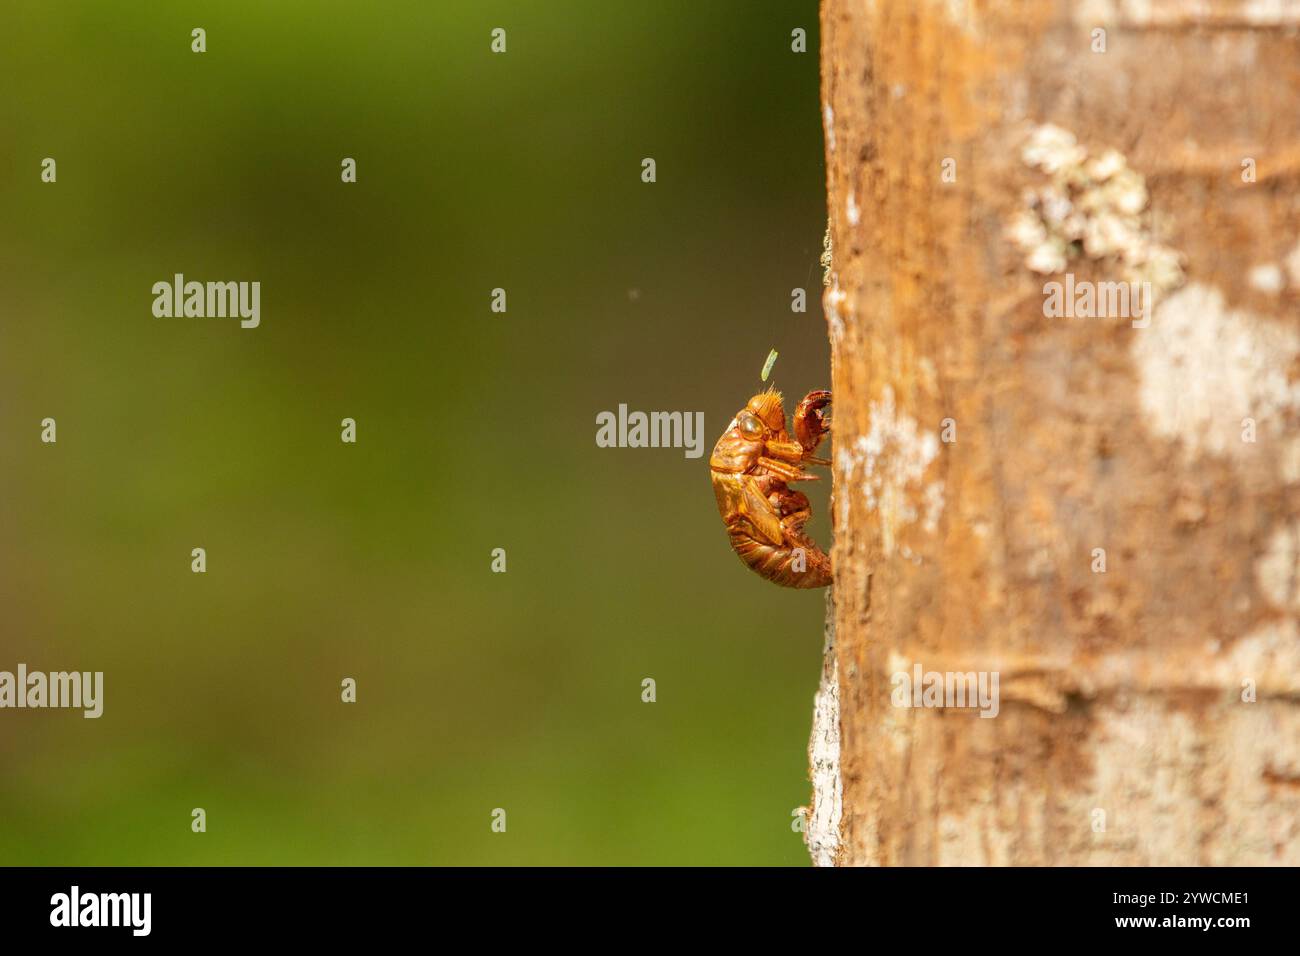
750 426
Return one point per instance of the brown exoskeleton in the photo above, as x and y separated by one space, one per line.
752 465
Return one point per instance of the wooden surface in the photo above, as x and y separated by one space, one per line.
1120 691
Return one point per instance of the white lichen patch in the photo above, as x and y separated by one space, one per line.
1092 206
1278 569
828 120
851 209
890 462
1179 13
833 300
1269 655
1267 278
823 822
1204 369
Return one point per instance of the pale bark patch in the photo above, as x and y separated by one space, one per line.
1278 568
1205 368
889 464
823 827
1171 13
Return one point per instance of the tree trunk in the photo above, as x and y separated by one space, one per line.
1100 510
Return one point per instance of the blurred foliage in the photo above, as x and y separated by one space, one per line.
475 430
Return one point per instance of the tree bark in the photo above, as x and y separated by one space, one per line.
1105 514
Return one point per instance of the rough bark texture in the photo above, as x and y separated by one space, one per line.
1122 735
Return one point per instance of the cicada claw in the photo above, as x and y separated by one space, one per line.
811 423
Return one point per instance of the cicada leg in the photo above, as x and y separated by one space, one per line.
811 424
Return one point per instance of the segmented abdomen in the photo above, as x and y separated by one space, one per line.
777 563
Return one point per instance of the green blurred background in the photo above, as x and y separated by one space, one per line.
475 430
